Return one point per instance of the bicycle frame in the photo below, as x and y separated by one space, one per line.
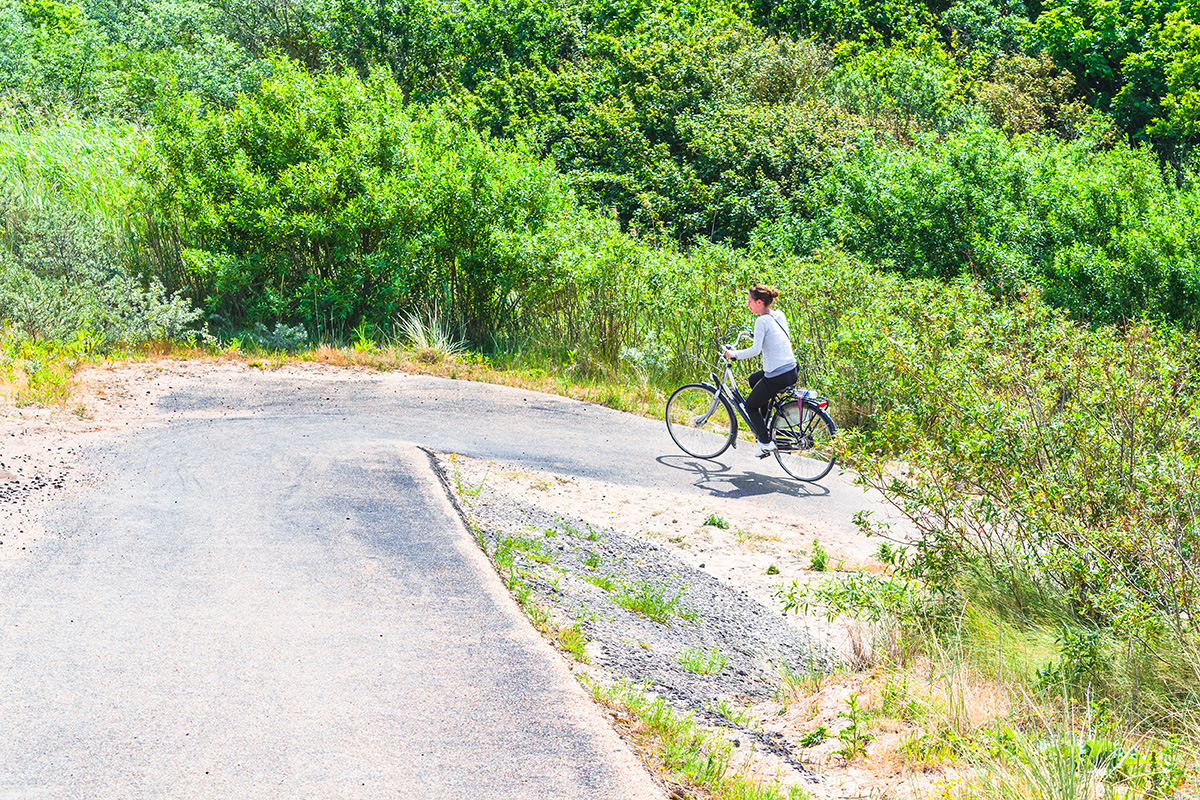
797 423
724 385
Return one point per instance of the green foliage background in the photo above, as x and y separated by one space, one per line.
982 214
1046 144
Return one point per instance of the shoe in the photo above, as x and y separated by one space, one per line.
764 450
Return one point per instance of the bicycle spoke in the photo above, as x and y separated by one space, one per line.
803 438
699 421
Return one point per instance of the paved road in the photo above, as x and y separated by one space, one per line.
269 596
542 431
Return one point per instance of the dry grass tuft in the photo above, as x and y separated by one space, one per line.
161 349
428 355
374 358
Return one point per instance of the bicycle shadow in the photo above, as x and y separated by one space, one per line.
709 473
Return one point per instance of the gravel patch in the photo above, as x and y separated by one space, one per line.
37 469
587 576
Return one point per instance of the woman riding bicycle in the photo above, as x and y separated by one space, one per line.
773 339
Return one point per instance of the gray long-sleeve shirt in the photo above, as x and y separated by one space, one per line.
771 338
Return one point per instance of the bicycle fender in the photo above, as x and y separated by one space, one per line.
817 409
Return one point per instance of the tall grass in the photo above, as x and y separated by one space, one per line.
92 168
86 164
72 225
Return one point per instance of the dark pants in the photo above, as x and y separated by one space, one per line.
762 389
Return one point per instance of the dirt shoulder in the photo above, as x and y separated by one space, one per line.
775 684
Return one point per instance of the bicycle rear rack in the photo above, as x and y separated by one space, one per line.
811 395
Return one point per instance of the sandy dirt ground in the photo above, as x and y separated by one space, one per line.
746 555
759 554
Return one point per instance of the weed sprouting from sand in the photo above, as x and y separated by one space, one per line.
702 662
460 487
819 562
653 600
854 737
795 684
533 549
688 755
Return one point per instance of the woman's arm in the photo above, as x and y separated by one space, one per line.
760 333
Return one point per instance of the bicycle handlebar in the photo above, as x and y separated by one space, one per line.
742 334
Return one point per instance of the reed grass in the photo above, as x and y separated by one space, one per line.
87 164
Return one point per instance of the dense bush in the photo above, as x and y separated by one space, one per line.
1049 461
63 277
325 201
107 59
709 121
52 54
1104 232
1051 458
1137 59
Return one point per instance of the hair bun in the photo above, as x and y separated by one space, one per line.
761 291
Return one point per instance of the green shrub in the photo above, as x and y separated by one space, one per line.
39 370
1049 459
63 278
323 200
1104 232
819 561
72 237
54 56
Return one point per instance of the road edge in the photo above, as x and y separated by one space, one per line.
591 718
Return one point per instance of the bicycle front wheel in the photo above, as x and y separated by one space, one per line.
803 436
700 421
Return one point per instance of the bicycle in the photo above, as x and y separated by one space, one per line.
701 420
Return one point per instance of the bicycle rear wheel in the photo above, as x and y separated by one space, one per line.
803 436
700 421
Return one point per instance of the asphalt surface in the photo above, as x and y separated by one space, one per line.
268 595
540 431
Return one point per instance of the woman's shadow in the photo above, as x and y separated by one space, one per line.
711 475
